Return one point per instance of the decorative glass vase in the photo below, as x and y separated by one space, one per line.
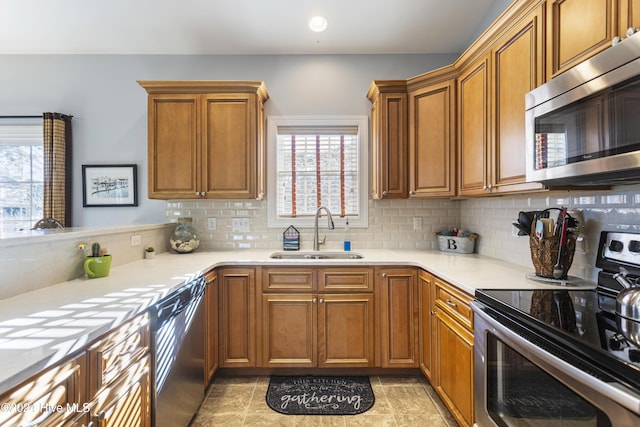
184 238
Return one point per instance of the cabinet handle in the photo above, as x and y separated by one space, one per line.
451 304
315 300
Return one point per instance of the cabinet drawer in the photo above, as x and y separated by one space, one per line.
345 279
287 279
454 302
113 354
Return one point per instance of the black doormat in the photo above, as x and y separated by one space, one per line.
311 395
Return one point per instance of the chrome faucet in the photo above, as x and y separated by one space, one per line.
316 239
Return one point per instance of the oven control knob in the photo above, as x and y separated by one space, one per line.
634 246
616 246
616 342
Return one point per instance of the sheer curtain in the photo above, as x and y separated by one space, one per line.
57 167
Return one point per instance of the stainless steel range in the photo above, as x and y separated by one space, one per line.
560 356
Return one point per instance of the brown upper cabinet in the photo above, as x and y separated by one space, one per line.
432 113
491 108
206 139
478 122
578 29
388 139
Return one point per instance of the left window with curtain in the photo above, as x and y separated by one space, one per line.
21 173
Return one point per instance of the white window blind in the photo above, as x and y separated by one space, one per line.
317 167
317 163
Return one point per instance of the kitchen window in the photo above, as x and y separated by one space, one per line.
21 173
317 162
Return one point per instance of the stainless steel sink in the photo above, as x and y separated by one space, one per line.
316 255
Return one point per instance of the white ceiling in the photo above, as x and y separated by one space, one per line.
237 26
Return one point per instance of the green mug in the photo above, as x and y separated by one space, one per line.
97 266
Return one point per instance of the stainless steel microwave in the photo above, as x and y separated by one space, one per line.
583 126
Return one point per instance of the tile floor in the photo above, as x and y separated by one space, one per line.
400 401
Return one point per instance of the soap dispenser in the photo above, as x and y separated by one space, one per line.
347 237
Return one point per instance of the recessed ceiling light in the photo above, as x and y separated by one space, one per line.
318 24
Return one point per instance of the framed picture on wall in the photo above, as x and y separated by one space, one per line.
109 185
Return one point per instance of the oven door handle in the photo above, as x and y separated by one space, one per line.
558 367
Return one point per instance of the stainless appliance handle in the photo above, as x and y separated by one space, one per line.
559 367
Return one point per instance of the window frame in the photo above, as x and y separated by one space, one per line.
362 123
30 130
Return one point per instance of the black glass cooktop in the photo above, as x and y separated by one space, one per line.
574 320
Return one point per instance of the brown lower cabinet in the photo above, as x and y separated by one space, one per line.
452 366
276 317
107 384
398 293
237 317
309 328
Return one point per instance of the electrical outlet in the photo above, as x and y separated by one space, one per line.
240 224
136 240
417 223
211 223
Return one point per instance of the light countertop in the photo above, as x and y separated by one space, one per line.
39 328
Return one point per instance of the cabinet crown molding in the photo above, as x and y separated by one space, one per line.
386 86
206 86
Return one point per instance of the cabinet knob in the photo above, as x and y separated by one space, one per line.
321 300
384 193
433 313
484 187
203 194
384 275
489 187
315 300
412 193
197 193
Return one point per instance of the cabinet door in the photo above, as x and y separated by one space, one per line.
345 330
35 401
289 337
454 364
211 326
473 128
127 401
388 139
427 343
518 67
230 146
577 30
237 308
431 141
399 322
173 146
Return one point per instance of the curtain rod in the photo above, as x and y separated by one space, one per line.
21 117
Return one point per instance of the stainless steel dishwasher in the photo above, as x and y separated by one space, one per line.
177 341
